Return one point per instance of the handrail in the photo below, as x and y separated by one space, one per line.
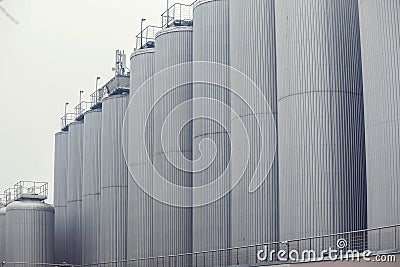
177 12
146 38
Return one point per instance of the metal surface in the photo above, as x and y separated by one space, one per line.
30 232
173 225
255 217
60 196
380 34
113 182
91 186
74 193
211 223
140 205
3 231
322 184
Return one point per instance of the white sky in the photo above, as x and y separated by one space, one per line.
57 49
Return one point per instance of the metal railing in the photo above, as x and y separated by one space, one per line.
178 15
67 119
2 200
9 195
29 188
146 38
381 240
81 108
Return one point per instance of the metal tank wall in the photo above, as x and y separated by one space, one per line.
74 193
255 217
3 231
140 205
173 225
60 196
114 183
30 232
211 222
380 34
322 184
91 186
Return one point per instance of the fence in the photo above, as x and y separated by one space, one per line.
377 240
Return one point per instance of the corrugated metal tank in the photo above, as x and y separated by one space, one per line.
91 186
380 34
114 182
30 232
321 120
255 217
173 225
74 193
3 240
211 223
60 196
140 205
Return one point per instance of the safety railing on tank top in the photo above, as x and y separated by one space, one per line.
146 38
82 108
379 241
3 200
30 189
178 15
9 195
67 119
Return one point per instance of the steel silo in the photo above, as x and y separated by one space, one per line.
140 204
30 231
3 240
60 196
322 186
74 193
380 34
255 217
91 186
172 87
211 222
113 182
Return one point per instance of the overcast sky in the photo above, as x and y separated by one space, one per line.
57 49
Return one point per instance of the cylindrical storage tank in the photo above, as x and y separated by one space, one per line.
91 186
30 232
321 120
3 231
140 204
60 196
211 217
173 114
380 35
74 193
113 183
255 217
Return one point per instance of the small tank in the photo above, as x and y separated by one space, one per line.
30 225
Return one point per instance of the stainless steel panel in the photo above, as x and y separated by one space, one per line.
140 205
380 34
255 217
3 231
74 193
322 184
30 232
91 187
60 196
211 223
172 226
114 183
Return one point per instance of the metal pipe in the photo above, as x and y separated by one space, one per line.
65 114
97 93
141 32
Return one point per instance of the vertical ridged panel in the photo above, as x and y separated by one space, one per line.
60 196
114 183
30 232
173 225
140 207
321 122
3 240
253 52
211 223
380 35
74 193
91 187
